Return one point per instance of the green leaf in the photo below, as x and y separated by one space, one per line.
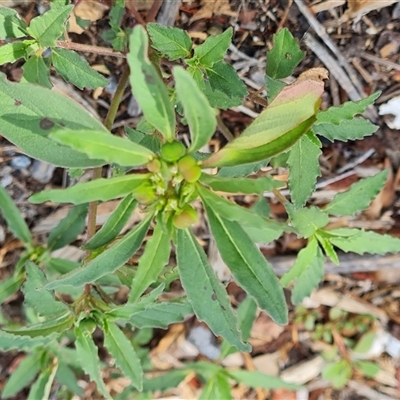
10 285
249 267
218 387
27 122
364 344
160 315
307 220
256 379
273 87
367 368
205 292
25 372
172 42
47 28
236 171
151 263
284 56
338 373
356 128
348 110
11 52
367 242
66 377
98 189
324 241
277 128
212 50
262 229
41 389
76 70
108 261
9 341
241 185
114 224
303 261
224 78
40 300
304 169
89 359
165 381
218 99
97 144
246 315
69 228
57 325
15 222
148 88
37 71
197 110
358 196
123 353
11 25
309 279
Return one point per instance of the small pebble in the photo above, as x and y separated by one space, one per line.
6 181
21 162
112 85
42 171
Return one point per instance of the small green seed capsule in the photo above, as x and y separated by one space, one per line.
173 151
185 218
88 325
189 169
145 194
154 165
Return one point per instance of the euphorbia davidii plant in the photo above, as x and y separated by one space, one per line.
164 179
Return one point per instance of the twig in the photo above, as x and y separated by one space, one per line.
385 63
102 51
155 8
224 129
284 17
134 12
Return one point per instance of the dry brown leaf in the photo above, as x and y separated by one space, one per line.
313 74
358 8
210 8
88 10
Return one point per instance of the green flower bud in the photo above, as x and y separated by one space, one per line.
172 151
189 169
145 194
186 217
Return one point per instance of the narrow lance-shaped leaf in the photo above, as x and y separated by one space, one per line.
367 242
124 355
48 328
76 70
41 389
10 285
279 126
90 362
37 71
27 122
114 224
249 267
97 144
151 263
47 28
69 228
304 168
108 261
40 300
9 341
99 189
15 222
25 372
197 110
11 25
241 185
358 196
205 292
173 42
148 88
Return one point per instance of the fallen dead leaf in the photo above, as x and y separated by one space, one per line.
211 8
357 8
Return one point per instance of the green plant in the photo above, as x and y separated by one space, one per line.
347 336
166 181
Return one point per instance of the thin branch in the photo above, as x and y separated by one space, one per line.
155 8
102 51
134 12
